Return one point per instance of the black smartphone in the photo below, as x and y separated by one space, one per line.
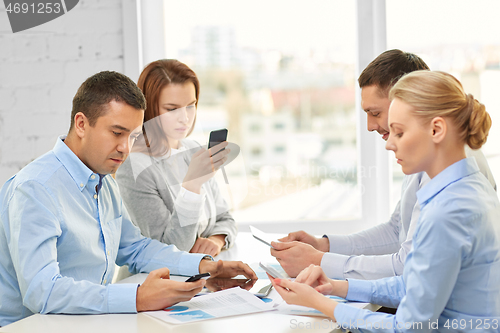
197 277
217 137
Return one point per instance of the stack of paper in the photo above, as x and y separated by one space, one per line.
298 310
225 303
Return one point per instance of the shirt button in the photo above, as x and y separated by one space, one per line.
81 185
108 253
95 196
92 177
105 281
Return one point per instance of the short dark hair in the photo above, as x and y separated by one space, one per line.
386 69
97 91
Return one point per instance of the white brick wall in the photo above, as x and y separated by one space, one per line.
40 71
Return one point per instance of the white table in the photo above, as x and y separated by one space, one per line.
246 249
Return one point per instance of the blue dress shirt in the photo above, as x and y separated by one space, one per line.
63 228
381 251
451 278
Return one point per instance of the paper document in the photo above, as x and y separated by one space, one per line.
225 303
298 310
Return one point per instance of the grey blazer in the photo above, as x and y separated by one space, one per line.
163 210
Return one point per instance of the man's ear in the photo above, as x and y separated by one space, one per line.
81 124
439 129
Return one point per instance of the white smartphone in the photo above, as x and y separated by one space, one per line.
262 236
271 271
261 288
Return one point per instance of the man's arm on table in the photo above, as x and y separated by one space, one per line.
381 239
33 248
147 255
373 264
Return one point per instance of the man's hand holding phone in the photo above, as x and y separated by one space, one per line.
159 292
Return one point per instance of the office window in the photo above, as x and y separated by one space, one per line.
255 128
279 149
467 46
279 126
285 91
256 152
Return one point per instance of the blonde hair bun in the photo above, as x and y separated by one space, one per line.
479 123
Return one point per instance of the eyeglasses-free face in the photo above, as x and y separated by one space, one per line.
177 105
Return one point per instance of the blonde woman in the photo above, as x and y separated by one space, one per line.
451 278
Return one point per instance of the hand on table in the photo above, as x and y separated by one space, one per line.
211 245
322 244
203 166
227 269
295 256
159 292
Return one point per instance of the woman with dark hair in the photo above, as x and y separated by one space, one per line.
451 277
167 183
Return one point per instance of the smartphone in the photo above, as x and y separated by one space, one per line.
217 137
261 288
271 271
197 277
262 236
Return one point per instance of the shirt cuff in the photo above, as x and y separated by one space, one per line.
339 244
226 240
359 290
191 196
122 298
189 263
333 265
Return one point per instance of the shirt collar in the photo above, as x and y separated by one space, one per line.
80 173
451 174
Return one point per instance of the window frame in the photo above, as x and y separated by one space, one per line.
374 167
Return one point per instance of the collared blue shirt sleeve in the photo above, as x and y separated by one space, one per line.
386 292
62 230
380 251
144 255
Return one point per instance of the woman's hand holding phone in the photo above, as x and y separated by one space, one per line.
203 165
315 277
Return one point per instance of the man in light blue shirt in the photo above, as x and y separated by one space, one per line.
64 226
380 251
